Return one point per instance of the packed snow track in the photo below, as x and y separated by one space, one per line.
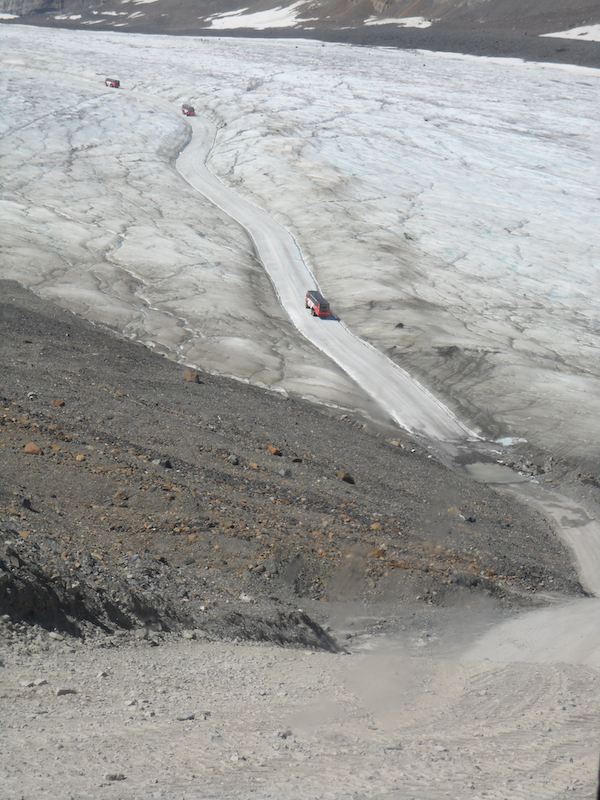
409 403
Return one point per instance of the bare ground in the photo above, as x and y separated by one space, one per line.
191 719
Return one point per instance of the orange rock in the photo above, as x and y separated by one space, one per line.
376 526
58 403
379 552
191 376
272 450
120 498
32 449
80 457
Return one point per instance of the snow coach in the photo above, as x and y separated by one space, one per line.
319 307
187 110
113 83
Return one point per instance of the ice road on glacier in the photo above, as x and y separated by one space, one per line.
404 399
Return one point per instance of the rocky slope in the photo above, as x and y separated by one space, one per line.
137 497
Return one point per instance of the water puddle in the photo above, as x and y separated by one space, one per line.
493 473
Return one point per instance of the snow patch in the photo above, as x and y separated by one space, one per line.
67 16
404 22
278 17
587 33
9 16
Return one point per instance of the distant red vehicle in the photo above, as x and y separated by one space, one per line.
112 82
319 307
187 110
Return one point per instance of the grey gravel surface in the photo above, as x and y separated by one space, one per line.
196 720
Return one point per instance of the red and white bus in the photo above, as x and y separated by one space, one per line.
319 307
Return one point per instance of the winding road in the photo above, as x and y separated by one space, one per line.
407 402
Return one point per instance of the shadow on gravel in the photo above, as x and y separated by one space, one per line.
285 628
29 593
32 591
